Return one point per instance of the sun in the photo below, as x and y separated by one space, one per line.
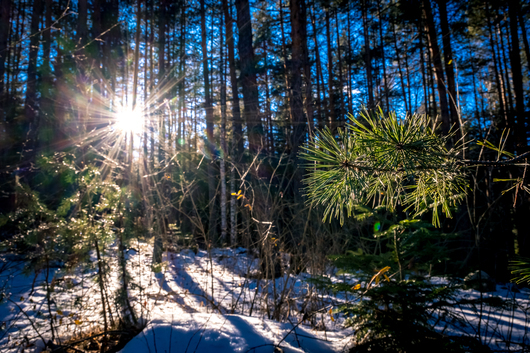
130 120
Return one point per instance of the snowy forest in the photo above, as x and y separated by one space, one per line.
264 176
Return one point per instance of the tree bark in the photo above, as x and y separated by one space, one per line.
210 141
341 81
383 61
236 113
525 39
331 103
222 167
498 78
237 135
135 80
400 70
517 77
448 61
321 90
297 111
248 76
31 105
5 19
504 69
367 56
286 75
422 64
437 62
308 98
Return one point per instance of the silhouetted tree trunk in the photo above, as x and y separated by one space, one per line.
5 18
135 79
285 74
222 164
210 143
448 61
248 76
525 39
298 119
268 110
31 105
517 77
237 138
498 77
341 81
505 73
383 61
367 56
400 70
321 89
236 113
422 64
331 103
437 62
308 98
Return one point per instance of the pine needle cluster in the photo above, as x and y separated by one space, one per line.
383 160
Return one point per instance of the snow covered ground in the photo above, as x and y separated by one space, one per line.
212 302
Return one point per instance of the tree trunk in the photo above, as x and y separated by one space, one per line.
237 135
31 105
341 81
408 88
504 70
222 166
525 40
498 78
5 14
517 77
308 99
162 40
248 76
162 23
383 61
449 62
331 103
298 119
321 90
349 105
437 62
422 64
268 110
432 94
367 56
400 70
286 74
135 81
210 141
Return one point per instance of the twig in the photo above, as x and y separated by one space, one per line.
189 342
295 334
59 346
31 322
154 339
496 163
299 322
171 333
261 345
99 334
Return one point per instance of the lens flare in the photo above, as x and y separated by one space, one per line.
129 120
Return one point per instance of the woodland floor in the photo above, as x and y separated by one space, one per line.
213 302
